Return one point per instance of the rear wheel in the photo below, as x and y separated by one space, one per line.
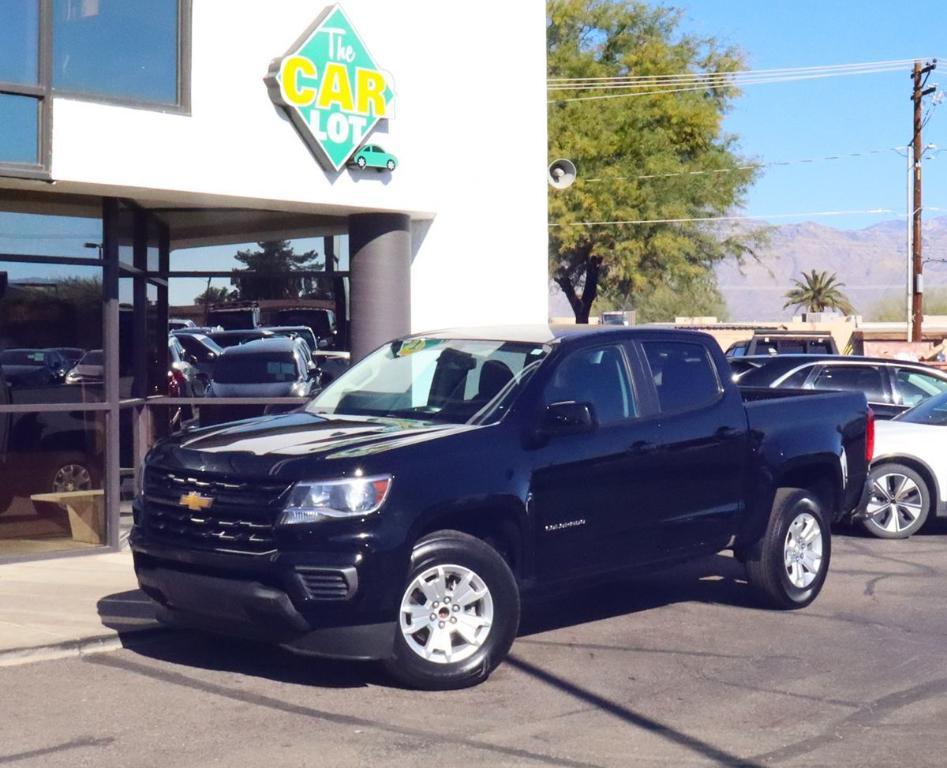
788 565
458 616
899 504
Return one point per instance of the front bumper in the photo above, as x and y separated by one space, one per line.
340 604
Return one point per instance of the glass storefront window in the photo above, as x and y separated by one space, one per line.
31 234
19 42
122 49
272 256
51 489
19 136
51 333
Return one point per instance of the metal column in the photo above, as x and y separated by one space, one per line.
380 273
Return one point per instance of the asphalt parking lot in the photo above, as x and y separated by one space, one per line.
675 669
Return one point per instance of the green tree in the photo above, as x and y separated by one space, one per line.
699 297
616 141
892 308
268 271
817 292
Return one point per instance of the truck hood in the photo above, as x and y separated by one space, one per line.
270 444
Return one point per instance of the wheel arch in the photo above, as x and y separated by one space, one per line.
501 523
821 477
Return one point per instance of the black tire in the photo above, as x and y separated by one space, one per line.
766 564
884 480
360 162
390 165
453 548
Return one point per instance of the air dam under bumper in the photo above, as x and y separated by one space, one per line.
257 612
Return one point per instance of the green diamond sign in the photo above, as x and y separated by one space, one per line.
331 88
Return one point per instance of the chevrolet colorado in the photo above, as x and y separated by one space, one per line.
404 511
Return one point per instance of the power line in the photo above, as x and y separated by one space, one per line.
720 80
741 168
865 211
556 81
705 82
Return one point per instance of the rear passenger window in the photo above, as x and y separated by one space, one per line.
797 379
595 376
684 375
853 378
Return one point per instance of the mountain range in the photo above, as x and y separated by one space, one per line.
871 262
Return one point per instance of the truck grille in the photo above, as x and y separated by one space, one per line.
240 516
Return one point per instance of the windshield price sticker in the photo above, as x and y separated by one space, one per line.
331 88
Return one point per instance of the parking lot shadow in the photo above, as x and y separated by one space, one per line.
714 579
125 612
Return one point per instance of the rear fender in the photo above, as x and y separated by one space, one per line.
820 473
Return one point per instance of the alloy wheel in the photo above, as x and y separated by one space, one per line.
896 502
802 552
72 477
446 614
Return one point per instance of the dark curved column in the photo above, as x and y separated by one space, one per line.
380 273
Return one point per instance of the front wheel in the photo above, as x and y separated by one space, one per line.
789 564
899 504
458 616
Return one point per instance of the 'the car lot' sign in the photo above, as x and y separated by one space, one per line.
331 88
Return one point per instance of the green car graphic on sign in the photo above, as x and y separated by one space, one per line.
373 156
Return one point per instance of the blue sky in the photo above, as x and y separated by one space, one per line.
815 118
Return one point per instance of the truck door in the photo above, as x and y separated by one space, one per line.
583 486
697 448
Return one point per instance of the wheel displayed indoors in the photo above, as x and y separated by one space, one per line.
899 503
788 565
458 615
68 475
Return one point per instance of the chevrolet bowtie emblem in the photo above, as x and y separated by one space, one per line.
195 501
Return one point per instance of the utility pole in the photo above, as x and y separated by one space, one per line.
919 77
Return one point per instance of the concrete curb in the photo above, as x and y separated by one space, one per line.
104 643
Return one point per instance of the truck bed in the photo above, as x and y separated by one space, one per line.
784 424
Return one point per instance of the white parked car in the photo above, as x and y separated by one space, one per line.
909 472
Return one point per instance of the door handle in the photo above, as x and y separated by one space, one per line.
726 433
642 448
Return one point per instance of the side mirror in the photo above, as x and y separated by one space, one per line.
567 418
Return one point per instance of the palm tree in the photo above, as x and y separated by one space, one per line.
215 295
817 292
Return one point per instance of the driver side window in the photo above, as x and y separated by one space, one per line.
597 376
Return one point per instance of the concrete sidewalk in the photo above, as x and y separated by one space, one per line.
69 606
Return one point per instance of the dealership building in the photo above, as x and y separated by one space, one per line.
383 159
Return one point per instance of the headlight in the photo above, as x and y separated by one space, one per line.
310 502
72 377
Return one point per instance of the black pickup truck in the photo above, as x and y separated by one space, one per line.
402 514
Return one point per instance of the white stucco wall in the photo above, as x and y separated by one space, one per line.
469 131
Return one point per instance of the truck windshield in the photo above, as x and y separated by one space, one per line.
447 380
256 369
